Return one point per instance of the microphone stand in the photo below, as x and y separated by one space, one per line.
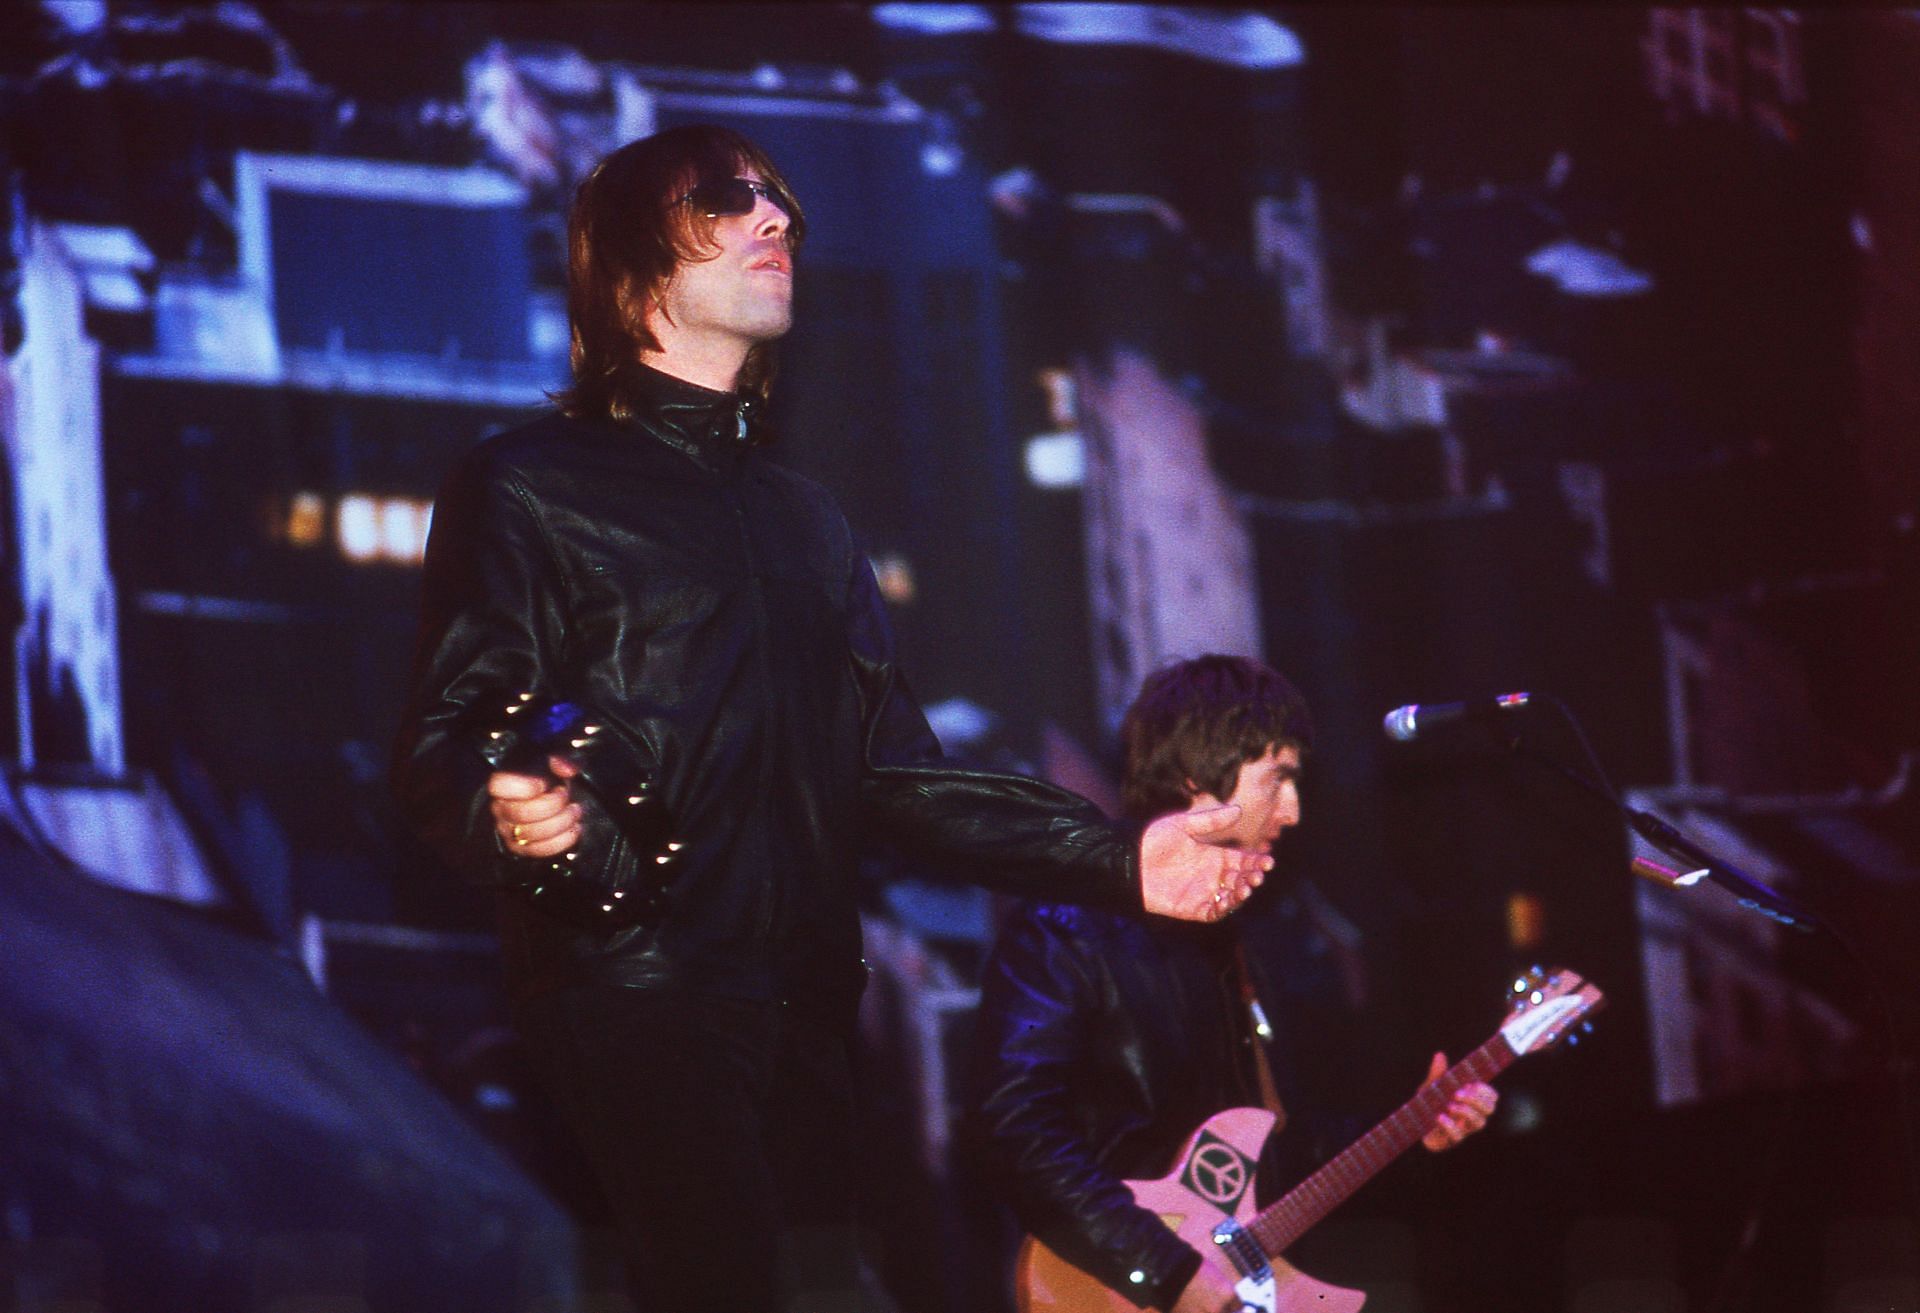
1749 892
1755 896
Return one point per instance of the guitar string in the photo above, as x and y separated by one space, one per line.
1360 1162
1304 1206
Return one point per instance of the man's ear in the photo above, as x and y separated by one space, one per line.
655 307
1199 797
641 306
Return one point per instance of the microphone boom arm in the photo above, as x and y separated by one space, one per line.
1749 892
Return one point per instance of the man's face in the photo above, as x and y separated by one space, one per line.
744 292
1267 791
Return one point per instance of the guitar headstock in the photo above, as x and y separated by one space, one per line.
1547 1007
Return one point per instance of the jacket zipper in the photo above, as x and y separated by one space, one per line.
770 898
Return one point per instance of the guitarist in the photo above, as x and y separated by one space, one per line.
1104 1038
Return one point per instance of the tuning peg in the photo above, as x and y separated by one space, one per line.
1586 1028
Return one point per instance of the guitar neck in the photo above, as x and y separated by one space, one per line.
1277 1227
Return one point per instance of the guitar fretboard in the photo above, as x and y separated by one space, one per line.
1277 1227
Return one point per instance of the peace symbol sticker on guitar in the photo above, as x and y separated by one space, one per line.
1218 1172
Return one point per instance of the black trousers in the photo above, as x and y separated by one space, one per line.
722 1132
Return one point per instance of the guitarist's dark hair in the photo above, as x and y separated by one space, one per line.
1196 722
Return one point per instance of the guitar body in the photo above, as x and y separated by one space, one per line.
1212 1179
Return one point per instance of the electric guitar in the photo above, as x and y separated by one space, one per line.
1207 1199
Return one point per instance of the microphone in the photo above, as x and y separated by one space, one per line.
1404 724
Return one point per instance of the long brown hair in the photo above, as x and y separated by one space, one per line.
625 236
1196 723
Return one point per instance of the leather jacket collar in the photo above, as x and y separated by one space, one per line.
714 428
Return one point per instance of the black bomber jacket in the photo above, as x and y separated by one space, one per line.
1101 1042
1104 1038
714 607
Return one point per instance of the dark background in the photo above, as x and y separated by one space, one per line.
195 1120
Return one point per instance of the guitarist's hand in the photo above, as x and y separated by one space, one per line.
1210 1291
1467 1113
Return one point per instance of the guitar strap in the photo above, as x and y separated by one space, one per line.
1262 1032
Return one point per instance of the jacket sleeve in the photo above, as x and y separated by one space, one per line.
1012 833
490 626
1035 1033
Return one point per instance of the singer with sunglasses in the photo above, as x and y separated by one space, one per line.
655 706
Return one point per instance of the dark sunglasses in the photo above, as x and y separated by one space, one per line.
731 196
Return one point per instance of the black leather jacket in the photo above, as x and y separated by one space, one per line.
1103 1039
713 606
